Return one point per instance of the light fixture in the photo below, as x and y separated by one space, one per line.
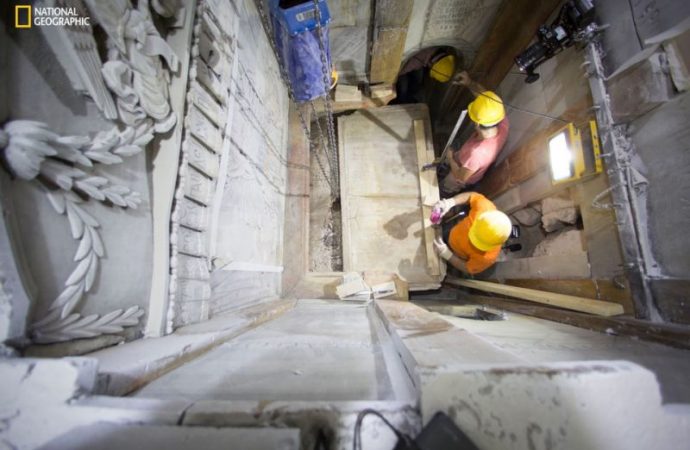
568 158
565 154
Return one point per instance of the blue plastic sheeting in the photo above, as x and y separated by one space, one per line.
301 55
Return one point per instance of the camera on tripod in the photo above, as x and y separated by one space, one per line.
575 23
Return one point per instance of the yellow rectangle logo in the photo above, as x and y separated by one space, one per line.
23 23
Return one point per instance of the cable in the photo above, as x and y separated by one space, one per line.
637 32
357 440
516 108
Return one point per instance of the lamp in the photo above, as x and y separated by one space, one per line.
568 158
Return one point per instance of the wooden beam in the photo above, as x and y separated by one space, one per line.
428 186
391 19
571 302
605 290
515 26
380 96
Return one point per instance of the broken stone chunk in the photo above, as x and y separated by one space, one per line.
557 213
552 204
567 242
557 220
527 217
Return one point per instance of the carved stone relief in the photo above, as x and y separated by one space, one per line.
131 89
211 68
60 164
134 70
76 50
202 158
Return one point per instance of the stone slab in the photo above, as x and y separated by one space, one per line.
144 437
127 367
575 265
380 194
319 351
611 404
427 343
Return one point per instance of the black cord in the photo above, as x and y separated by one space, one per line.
357 440
516 108
513 107
637 32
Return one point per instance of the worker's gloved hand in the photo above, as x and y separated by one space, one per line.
443 206
442 249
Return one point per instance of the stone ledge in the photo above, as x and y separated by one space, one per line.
581 404
427 343
127 367
335 418
115 437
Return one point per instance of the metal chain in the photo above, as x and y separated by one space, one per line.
333 150
284 76
324 143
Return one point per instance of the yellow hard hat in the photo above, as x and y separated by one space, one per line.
443 69
487 109
334 77
490 230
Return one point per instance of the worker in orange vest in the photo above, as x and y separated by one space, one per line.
472 244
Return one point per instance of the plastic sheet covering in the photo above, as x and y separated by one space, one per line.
301 55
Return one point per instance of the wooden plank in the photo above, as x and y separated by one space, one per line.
581 304
391 20
598 289
386 54
515 26
673 335
380 95
426 178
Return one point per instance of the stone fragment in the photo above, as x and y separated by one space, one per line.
527 217
552 204
565 243
557 212
559 219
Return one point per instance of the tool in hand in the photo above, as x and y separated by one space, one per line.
442 158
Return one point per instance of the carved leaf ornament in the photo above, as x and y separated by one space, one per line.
32 152
63 165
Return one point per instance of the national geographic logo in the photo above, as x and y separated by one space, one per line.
22 16
26 16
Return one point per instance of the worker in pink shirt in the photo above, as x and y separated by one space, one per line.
471 161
